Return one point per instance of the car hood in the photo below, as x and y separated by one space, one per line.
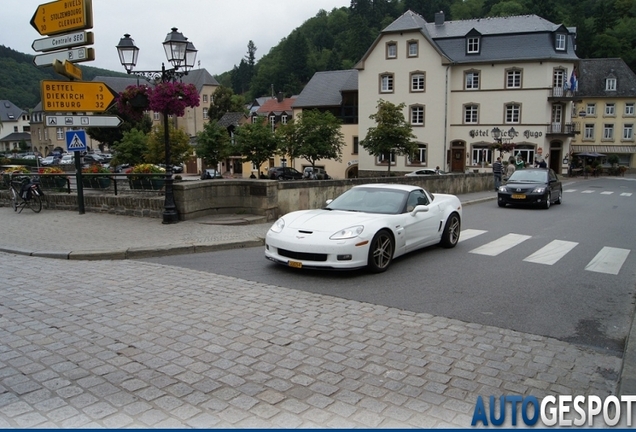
524 184
326 220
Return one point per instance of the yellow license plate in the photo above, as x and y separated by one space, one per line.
517 196
295 264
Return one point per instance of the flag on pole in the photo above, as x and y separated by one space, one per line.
574 83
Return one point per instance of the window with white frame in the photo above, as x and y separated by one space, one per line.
59 133
608 131
513 113
481 154
391 50
283 119
272 121
155 116
590 109
472 45
205 113
588 134
472 80
386 83
418 157
526 152
205 98
610 84
513 79
385 157
559 42
559 77
413 48
417 115
417 82
471 114
610 109
628 132
629 109
254 119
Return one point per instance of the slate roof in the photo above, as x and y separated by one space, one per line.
232 119
9 112
592 73
198 77
325 88
522 37
16 137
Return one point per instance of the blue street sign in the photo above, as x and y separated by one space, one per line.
76 140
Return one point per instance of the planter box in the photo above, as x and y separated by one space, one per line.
96 182
53 182
146 183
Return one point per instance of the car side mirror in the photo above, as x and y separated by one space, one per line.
419 209
328 201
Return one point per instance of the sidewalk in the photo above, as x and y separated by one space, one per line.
94 236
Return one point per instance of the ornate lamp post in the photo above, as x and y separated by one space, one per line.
182 55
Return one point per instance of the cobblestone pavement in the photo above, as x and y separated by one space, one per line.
132 344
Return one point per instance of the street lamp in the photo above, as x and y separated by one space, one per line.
182 55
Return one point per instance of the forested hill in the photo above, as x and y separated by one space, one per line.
337 39
20 78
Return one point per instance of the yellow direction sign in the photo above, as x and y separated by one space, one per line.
63 16
67 69
73 96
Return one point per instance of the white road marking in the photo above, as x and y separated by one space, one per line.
500 245
609 260
570 190
626 194
606 193
470 233
588 191
552 252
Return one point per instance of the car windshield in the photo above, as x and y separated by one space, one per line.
529 176
370 200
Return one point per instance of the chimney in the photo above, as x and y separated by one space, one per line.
279 97
439 18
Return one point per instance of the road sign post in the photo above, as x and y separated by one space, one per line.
74 55
67 96
70 40
63 16
84 121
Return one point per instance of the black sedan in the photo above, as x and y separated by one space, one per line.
531 186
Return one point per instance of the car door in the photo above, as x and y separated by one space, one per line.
421 227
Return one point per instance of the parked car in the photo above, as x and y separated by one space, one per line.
531 186
91 158
367 226
315 173
49 160
67 159
210 173
425 171
176 169
284 173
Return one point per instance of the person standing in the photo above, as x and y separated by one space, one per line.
510 168
497 170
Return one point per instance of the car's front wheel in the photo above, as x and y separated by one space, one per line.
450 236
381 251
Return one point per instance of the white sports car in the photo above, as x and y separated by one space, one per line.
367 226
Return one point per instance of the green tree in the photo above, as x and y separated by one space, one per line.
107 137
131 149
318 136
213 144
224 101
180 148
392 135
256 142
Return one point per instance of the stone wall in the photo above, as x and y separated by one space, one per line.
270 198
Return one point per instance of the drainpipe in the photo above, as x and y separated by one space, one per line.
447 162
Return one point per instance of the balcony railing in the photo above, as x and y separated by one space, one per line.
569 129
561 93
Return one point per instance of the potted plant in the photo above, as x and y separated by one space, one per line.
98 177
172 98
14 172
134 101
152 178
57 181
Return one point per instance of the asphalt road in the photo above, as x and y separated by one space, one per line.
577 299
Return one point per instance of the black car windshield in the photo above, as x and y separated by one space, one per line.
533 176
370 200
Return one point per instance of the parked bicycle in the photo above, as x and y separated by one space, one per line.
26 192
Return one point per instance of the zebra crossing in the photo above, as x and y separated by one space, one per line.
609 260
591 191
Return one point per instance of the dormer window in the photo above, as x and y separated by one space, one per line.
559 42
610 84
472 45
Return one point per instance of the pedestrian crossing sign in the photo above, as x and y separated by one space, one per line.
76 140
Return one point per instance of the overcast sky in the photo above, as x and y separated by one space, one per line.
220 30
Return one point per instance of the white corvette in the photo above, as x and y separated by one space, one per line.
367 226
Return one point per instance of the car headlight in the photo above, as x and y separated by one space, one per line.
348 233
502 189
278 225
539 190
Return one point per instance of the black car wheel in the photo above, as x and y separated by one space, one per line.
559 199
548 201
450 236
380 252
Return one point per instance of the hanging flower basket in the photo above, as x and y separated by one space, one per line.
173 98
134 101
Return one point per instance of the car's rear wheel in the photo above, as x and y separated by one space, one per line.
548 201
280 177
381 251
450 236
559 199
